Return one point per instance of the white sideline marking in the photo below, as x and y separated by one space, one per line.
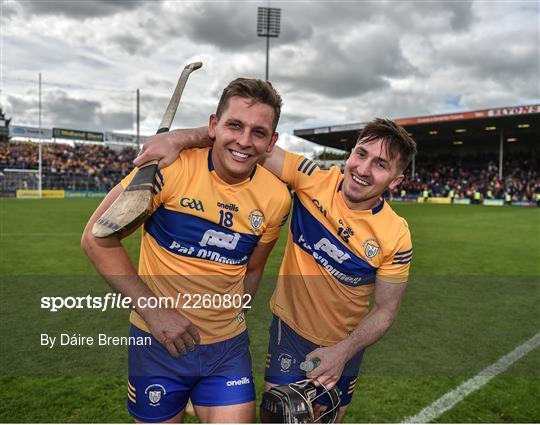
450 399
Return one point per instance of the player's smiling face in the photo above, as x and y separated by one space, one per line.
368 172
243 134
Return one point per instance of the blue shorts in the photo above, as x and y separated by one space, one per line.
287 349
160 385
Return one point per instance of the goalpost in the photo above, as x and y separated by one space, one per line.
23 181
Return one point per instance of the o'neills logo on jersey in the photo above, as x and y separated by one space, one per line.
256 219
371 247
220 239
229 207
333 251
244 381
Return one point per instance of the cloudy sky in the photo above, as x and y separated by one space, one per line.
335 62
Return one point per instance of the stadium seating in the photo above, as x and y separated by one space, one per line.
468 174
96 167
79 167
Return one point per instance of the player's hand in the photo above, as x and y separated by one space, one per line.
174 331
332 362
164 147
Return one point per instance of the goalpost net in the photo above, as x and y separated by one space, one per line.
22 182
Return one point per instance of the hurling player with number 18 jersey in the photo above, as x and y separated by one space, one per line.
204 246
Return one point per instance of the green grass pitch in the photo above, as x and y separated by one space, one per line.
473 297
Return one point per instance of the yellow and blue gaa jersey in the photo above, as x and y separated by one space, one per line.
334 255
200 236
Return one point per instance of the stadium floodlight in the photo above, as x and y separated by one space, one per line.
268 25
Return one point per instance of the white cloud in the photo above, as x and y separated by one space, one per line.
334 62
301 146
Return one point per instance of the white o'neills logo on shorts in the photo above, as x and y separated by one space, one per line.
245 380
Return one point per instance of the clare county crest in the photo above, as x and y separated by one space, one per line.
285 362
256 219
155 392
154 396
371 247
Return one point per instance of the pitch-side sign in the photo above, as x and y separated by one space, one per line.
29 132
89 136
123 137
120 137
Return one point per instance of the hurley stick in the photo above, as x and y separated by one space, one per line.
133 205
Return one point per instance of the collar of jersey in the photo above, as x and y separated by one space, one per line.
376 209
211 168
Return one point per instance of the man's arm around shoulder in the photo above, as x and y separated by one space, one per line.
165 147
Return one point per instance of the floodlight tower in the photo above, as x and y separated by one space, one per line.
268 25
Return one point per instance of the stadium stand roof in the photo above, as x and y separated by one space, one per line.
475 129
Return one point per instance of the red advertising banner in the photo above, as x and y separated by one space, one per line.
486 113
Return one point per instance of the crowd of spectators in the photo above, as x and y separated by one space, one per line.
98 167
79 167
465 176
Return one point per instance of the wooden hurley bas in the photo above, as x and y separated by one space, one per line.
133 205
